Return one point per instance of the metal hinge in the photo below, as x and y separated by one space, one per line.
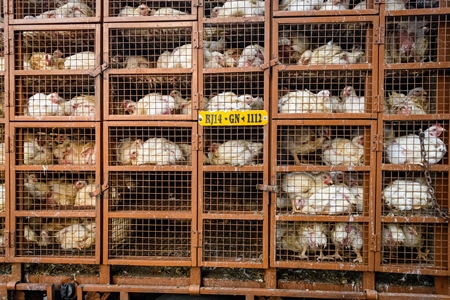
374 246
378 36
377 143
11 144
9 238
266 187
9 9
99 190
197 142
99 70
199 4
9 50
271 63
378 104
198 36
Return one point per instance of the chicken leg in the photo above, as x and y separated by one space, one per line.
358 258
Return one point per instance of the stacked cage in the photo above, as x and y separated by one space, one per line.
412 230
55 132
322 168
233 162
150 94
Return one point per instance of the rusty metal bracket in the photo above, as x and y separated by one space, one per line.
99 190
378 104
269 188
271 63
9 49
374 246
9 238
377 144
11 285
378 36
371 294
194 289
197 142
99 70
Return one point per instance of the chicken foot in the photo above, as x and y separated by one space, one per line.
422 255
358 258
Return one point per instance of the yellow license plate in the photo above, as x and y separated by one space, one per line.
233 118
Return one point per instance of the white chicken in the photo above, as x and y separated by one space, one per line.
75 153
40 105
239 8
308 236
305 102
234 152
181 57
407 150
2 63
44 61
228 101
346 235
407 195
351 102
80 106
80 61
321 55
2 154
251 56
392 237
136 62
37 189
83 197
42 240
128 150
77 236
61 193
300 5
334 5
74 9
159 151
291 45
36 150
343 152
413 239
332 200
140 11
2 197
151 104
167 11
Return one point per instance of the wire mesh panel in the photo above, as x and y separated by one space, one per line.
74 47
416 92
319 7
52 145
228 45
323 145
417 39
150 96
234 146
66 239
56 97
339 242
61 11
407 194
148 240
3 150
232 241
324 92
2 234
414 245
233 91
218 9
234 192
403 142
144 46
323 193
325 43
62 191
119 10
150 191
3 98
414 4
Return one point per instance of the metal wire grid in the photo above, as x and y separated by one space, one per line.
238 241
407 194
55 237
227 91
235 146
415 4
150 10
233 192
228 45
47 11
337 43
421 245
63 96
402 142
155 94
2 91
149 145
323 145
314 92
62 191
325 280
340 242
2 230
150 47
149 239
404 283
417 92
150 191
56 146
2 145
221 9
344 7
416 39
323 193
63 49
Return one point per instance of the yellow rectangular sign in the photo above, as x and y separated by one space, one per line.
233 118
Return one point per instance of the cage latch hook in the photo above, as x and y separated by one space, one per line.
266 187
99 190
99 70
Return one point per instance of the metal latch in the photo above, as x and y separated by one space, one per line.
97 71
374 246
269 188
197 142
371 294
271 63
377 144
379 35
99 190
